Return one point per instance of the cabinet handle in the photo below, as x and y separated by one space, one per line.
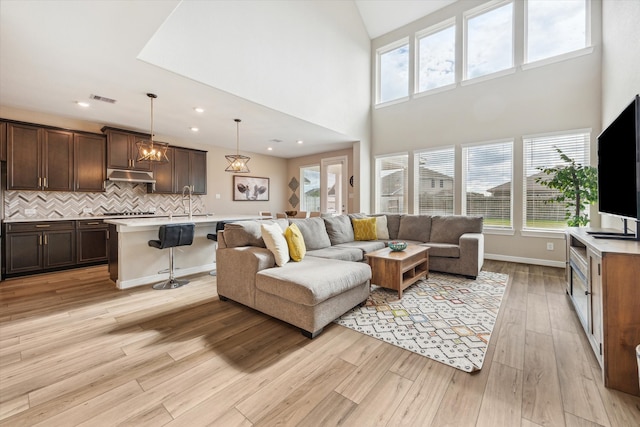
44 182
39 182
46 242
40 240
43 225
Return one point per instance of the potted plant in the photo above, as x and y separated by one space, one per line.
577 187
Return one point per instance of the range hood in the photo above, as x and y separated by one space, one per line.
130 176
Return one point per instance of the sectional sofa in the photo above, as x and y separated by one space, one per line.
332 276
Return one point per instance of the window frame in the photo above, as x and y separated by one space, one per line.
441 26
473 13
301 185
435 183
379 53
510 229
378 178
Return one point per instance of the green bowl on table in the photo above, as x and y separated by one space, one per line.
397 246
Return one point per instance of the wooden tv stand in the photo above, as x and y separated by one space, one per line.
603 281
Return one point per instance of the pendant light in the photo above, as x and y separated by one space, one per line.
149 151
237 163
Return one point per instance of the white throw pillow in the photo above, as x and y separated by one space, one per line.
382 231
273 237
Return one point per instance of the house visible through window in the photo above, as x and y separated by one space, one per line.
393 71
489 41
487 182
432 166
310 188
555 27
539 152
391 187
436 58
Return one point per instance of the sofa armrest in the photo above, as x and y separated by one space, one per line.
472 250
236 270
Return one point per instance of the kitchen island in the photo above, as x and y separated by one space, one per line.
132 262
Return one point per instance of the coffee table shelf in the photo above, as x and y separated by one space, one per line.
399 270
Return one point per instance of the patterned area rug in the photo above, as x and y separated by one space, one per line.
446 318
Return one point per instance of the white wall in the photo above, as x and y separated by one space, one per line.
557 97
620 64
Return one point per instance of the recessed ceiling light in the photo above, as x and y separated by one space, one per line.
83 104
270 148
199 109
194 129
300 141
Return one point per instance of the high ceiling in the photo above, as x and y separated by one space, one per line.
53 53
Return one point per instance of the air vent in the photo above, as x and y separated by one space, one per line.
102 98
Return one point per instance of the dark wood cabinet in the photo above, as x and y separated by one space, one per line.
39 246
122 151
90 152
92 238
3 141
39 158
163 173
190 169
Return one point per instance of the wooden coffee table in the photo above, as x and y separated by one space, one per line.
399 270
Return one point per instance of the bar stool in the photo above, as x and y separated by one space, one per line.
214 237
170 236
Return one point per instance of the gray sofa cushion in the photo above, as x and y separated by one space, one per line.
448 229
339 229
446 250
414 227
312 280
393 225
313 231
248 233
339 253
365 246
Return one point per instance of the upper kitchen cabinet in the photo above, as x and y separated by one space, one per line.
39 158
122 152
90 154
3 141
190 169
163 173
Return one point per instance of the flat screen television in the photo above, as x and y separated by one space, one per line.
619 169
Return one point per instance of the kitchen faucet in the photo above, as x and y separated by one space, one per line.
189 190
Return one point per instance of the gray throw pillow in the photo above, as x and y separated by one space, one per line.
339 229
313 232
243 233
415 227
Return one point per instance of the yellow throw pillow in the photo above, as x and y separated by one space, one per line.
275 242
295 242
364 229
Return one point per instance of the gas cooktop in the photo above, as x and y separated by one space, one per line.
130 213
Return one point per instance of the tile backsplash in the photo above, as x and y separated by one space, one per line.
118 197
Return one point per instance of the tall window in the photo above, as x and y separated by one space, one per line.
436 57
487 182
393 71
555 27
540 151
391 186
434 185
489 41
310 188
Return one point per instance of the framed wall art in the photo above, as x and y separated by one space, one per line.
250 188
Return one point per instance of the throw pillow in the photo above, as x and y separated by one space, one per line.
364 229
275 242
295 242
382 232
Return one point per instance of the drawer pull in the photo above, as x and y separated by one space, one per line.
93 223
43 225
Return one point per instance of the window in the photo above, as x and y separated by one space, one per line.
310 188
555 27
432 166
540 151
489 41
391 186
436 58
393 71
487 182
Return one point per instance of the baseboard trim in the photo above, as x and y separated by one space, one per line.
521 260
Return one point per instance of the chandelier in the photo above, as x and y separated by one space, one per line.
149 151
237 163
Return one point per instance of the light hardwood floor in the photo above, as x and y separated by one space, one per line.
74 350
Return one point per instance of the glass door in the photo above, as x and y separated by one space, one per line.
333 185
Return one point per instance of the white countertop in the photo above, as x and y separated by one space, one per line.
162 220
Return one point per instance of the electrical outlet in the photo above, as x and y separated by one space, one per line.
217 196
30 211
549 246
87 210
